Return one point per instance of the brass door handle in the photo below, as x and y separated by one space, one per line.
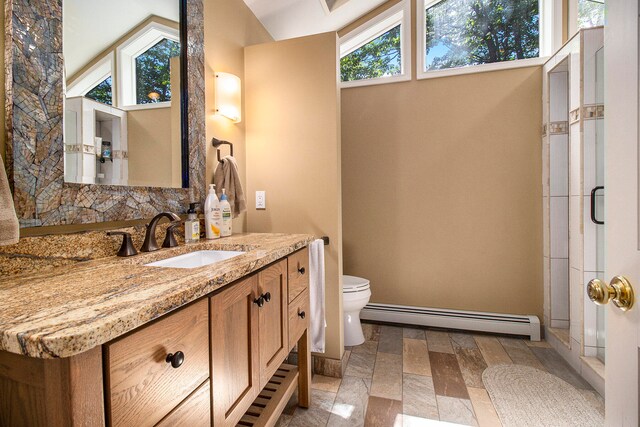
620 291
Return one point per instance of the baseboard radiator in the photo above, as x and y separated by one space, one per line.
510 324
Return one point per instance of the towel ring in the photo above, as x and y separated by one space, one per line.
217 143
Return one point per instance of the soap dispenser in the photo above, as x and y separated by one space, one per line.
192 225
225 208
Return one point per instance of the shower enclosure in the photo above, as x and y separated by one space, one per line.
573 201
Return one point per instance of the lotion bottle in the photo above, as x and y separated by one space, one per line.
212 214
192 225
225 208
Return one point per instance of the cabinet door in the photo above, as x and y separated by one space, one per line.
234 351
274 342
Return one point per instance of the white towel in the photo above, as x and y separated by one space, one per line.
316 290
9 225
226 176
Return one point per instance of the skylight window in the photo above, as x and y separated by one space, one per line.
378 51
468 33
590 13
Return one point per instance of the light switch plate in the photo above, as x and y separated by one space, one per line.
261 200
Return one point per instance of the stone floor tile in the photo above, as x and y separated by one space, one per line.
483 407
361 365
319 412
350 406
447 378
520 353
419 397
414 333
472 365
320 382
383 412
492 350
454 410
439 341
387 376
390 340
556 365
460 340
371 331
415 357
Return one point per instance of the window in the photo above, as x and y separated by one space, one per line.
144 66
153 72
464 33
378 51
590 13
102 92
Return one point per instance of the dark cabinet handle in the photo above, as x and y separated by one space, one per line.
267 296
302 314
176 359
301 270
259 301
593 205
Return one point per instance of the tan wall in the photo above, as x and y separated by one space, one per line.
149 146
229 27
441 188
293 141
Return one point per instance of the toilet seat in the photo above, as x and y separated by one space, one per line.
353 284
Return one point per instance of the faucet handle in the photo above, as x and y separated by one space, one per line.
170 239
127 248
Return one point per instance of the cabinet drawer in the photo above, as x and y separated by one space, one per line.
195 411
142 387
298 317
298 271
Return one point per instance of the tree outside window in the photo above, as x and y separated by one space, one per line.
102 92
590 13
460 33
380 57
153 72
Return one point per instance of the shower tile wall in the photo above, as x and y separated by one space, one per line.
573 155
559 198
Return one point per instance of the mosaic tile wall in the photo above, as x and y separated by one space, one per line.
35 147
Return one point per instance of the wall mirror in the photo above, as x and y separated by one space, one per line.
122 110
105 108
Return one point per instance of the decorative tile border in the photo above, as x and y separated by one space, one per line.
120 154
35 146
574 115
593 112
544 130
558 128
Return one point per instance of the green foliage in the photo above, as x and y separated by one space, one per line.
470 32
590 13
380 57
153 71
102 92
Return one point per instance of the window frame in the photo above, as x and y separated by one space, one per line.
93 76
126 55
399 13
550 40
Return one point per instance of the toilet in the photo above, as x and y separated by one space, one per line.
355 295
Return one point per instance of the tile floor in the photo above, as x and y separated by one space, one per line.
406 377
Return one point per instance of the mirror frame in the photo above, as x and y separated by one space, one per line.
34 102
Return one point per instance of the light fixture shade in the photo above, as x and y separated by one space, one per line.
229 96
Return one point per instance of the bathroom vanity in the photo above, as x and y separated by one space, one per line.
116 342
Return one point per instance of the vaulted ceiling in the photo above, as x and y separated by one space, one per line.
286 19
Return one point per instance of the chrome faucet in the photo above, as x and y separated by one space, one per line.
150 244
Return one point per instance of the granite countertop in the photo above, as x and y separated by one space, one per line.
73 308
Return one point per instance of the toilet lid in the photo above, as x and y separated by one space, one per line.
354 284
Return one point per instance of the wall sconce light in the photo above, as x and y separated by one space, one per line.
228 96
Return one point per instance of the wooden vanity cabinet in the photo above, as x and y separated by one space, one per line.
234 351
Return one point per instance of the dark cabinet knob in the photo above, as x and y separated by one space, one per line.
259 301
176 359
302 314
301 270
267 296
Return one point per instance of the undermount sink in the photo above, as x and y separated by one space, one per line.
195 259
